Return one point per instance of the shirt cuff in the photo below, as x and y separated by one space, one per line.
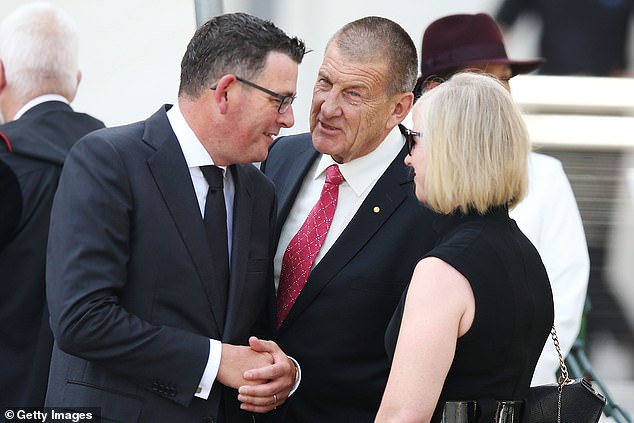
211 370
298 377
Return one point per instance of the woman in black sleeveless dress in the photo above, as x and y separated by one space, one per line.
479 308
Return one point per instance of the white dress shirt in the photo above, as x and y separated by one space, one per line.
361 174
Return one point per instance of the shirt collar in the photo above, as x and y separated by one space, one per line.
193 150
363 171
39 100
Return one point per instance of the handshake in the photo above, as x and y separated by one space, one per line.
263 375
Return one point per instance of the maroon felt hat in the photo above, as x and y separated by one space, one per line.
457 41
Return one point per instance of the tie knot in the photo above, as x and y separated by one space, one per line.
333 175
213 175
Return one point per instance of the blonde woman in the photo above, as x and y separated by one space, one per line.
479 307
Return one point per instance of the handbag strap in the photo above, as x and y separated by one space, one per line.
563 378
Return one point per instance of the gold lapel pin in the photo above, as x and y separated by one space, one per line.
376 209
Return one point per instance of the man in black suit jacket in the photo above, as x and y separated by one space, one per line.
144 327
38 80
379 230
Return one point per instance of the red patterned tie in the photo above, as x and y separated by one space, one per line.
304 247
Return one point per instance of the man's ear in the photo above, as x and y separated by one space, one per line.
221 93
3 79
70 96
401 109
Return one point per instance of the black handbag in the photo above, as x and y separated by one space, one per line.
567 401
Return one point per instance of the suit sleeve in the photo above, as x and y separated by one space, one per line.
88 254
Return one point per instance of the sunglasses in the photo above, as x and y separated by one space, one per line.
410 137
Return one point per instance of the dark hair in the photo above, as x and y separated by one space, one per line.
441 76
372 39
232 43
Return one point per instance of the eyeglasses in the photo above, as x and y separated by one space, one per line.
285 100
410 137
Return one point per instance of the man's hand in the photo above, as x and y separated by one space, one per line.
236 360
280 376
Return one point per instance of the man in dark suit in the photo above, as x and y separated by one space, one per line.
38 79
152 320
378 232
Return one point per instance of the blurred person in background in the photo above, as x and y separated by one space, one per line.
39 76
548 215
578 37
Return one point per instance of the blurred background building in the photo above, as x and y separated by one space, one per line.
130 57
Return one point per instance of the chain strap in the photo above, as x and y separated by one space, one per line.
564 378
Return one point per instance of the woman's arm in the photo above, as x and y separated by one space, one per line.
439 308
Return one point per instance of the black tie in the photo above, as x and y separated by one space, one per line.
216 226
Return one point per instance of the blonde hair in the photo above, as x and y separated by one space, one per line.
476 145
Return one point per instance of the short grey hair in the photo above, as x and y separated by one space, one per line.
39 49
374 39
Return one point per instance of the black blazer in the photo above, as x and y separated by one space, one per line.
131 282
32 150
337 325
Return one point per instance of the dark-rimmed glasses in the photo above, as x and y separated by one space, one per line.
285 100
410 137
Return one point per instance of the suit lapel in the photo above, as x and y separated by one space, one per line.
387 195
242 211
170 171
287 188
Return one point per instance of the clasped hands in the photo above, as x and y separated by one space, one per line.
261 372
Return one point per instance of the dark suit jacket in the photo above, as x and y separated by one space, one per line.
131 282
31 160
337 325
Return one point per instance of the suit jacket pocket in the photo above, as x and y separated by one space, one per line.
112 405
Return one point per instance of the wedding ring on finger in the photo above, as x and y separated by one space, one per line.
274 401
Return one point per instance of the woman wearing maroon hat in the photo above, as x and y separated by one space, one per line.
458 42
479 308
